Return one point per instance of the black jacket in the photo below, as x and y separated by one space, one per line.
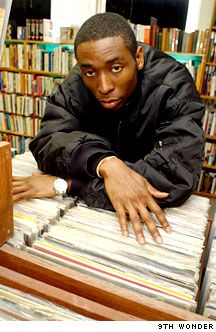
158 133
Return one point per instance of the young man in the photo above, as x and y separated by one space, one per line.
124 129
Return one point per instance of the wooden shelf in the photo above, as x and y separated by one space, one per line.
185 53
211 63
30 71
26 41
210 138
12 113
204 194
22 94
208 97
10 132
209 167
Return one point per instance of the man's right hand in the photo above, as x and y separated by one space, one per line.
38 185
133 196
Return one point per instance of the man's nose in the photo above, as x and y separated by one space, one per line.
105 84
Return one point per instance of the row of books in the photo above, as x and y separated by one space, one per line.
212 48
37 29
19 144
20 105
209 121
28 84
207 182
61 60
209 81
17 123
210 153
172 39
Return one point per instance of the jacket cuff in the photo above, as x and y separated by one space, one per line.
92 164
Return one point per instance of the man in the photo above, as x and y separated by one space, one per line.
124 129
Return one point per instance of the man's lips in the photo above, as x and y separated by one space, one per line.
110 103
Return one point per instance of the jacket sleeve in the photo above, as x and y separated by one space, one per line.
64 147
174 165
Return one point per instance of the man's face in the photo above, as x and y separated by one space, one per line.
109 70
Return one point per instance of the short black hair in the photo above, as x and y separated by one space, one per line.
105 25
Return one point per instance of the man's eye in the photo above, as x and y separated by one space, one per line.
90 73
116 69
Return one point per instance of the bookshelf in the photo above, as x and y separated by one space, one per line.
185 47
207 183
197 50
193 61
30 70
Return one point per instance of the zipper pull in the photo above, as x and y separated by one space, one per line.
160 145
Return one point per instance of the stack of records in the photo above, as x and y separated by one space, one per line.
89 240
208 292
33 217
18 305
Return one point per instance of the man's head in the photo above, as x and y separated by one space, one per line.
108 56
106 25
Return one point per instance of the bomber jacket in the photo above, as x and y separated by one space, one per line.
158 133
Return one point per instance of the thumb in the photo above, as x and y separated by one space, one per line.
154 192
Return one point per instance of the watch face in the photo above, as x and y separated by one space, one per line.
60 186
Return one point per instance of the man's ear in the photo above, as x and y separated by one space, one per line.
139 57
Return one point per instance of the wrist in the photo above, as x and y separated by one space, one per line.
69 183
101 164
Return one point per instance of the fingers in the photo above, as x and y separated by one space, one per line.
122 217
135 220
141 213
20 193
137 226
151 225
160 215
154 192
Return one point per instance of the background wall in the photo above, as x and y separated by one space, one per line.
66 13
75 12
199 14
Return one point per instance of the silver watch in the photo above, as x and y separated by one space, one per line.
60 186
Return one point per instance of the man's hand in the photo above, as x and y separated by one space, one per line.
132 195
36 186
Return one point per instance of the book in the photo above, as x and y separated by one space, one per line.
68 34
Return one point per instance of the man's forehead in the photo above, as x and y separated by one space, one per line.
112 41
111 49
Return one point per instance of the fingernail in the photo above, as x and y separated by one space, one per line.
168 229
158 239
141 240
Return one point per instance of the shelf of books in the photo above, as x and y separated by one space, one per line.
30 70
185 47
207 182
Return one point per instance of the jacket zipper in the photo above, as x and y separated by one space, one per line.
118 136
